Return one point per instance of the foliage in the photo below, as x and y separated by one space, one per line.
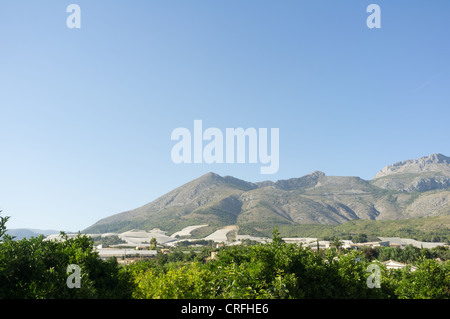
108 240
409 254
280 270
430 281
275 270
35 268
3 221
153 243
431 229
174 282
200 242
337 243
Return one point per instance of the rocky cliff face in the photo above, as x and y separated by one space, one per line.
433 163
419 175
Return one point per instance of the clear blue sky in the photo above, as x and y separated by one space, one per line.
86 114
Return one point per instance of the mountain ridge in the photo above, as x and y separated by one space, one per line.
418 175
433 162
413 188
19 233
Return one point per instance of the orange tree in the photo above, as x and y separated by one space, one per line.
35 268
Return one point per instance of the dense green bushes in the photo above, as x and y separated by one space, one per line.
409 254
279 270
429 229
430 281
108 241
36 268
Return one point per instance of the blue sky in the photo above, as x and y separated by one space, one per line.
87 114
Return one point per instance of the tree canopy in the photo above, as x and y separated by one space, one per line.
37 268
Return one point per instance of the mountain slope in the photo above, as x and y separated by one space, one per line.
413 188
208 199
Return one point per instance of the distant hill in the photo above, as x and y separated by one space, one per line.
408 189
20 233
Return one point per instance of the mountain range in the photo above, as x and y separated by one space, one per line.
407 189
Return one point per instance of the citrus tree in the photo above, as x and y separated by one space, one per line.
37 268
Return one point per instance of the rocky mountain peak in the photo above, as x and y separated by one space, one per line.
437 159
316 174
211 175
432 163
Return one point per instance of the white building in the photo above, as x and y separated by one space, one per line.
403 242
392 264
105 253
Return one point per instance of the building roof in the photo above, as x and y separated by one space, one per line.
392 264
394 241
112 252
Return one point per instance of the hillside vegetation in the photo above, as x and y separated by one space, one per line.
432 229
37 269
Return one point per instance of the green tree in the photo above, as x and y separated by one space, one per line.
369 253
153 243
3 221
360 238
176 282
430 281
281 270
36 268
276 237
336 243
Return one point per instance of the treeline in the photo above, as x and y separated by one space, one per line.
427 229
108 240
409 254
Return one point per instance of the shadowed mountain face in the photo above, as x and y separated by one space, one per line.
406 189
